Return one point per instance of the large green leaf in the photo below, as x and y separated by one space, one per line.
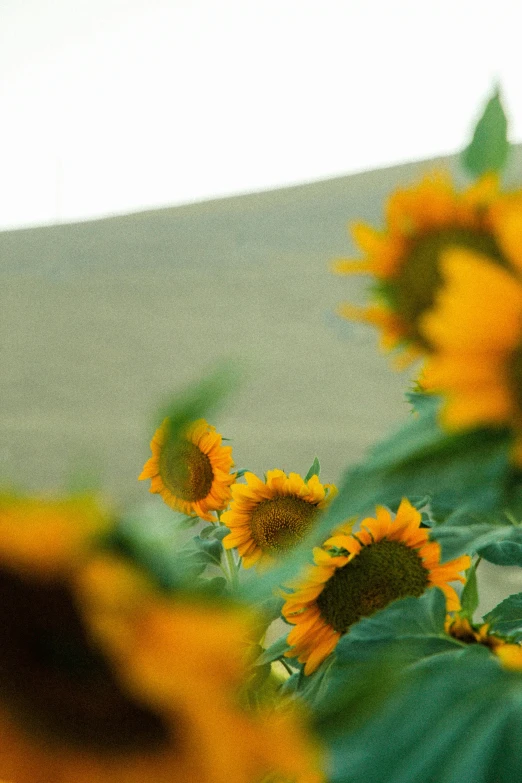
452 718
416 625
506 618
408 630
469 470
489 147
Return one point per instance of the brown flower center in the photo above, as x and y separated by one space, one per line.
378 575
414 289
279 523
186 471
56 684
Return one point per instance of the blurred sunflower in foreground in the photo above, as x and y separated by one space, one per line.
191 473
356 574
105 680
475 328
268 518
404 259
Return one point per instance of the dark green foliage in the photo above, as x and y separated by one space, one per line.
451 718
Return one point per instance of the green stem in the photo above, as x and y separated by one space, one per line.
231 563
232 566
287 667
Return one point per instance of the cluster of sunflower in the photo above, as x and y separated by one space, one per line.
120 667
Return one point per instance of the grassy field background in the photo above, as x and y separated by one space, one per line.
103 320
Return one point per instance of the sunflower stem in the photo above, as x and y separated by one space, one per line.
232 566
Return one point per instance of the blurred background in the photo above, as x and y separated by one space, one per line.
110 106
176 178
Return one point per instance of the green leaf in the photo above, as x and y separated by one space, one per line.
446 708
416 625
407 631
506 618
489 147
469 598
470 538
241 473
272 653
209 550
199 400
315 469
507 552
207 531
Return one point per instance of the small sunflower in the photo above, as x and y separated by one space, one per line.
104 680
404 259
385 560
462 629
267 518
191 474
476 332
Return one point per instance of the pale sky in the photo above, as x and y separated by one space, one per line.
112 106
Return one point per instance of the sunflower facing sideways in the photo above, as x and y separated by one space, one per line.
461 628
476 330
106 680
404 259
268 517
192 474
387 559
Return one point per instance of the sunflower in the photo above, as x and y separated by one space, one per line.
267 518
104 680
462 629
476 331
385 560
192 474
404 259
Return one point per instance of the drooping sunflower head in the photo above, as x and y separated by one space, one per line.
387 559
269 517
465 631
192 472
421 223
475 329
102 678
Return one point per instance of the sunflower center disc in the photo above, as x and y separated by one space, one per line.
419 279
186 471
378 575
279 523
57 684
